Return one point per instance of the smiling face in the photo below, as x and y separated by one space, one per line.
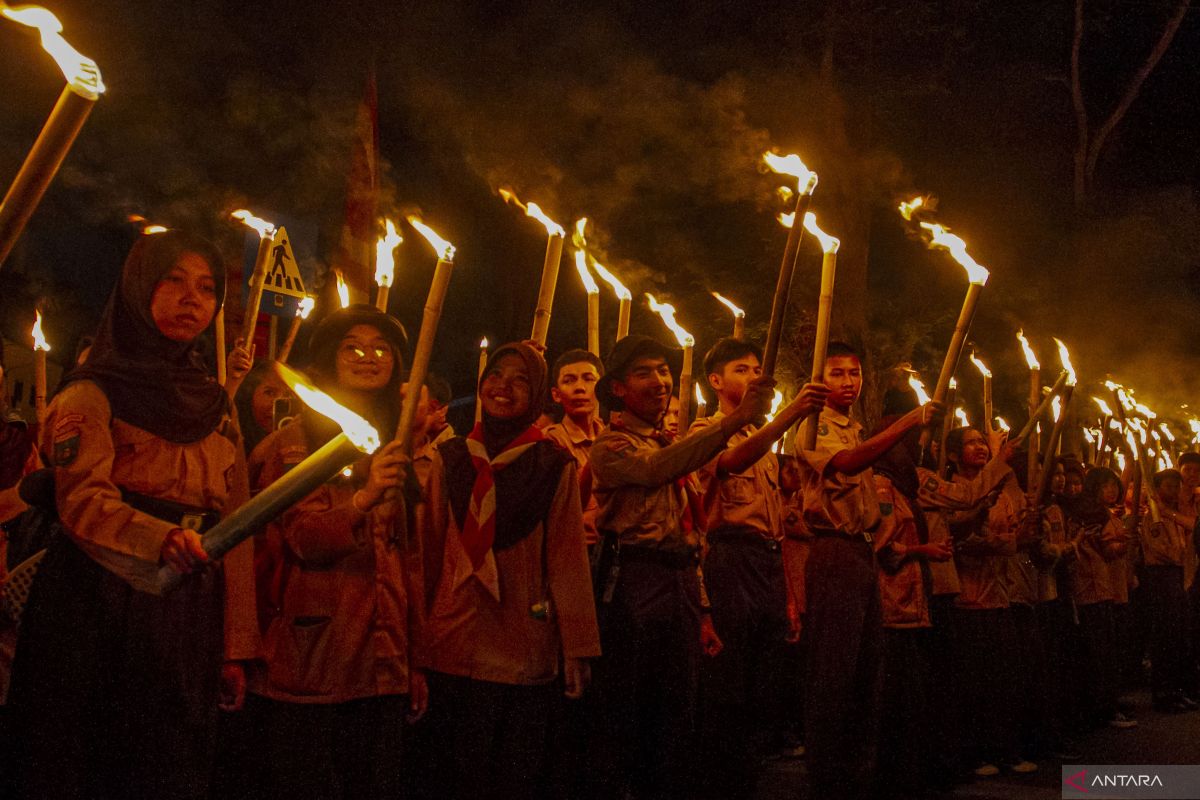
185 300
507 388
576 389
645 389
364 360
843 376
730 384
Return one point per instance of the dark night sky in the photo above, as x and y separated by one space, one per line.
648 118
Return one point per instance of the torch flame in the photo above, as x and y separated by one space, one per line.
150 230
829 243
81 72
976 273
1104 409
444 249
953 383
535 211
700 396
910 207
1087 434
483 343
1002 424
385 254
342 290
983 370
784 193
265 229
915 382
39 338
1162 426
786 220
1145 411
1120 461
305 307
667 312
585 274
1065 357
792 165
1030 358
580 241
1056 404
1194 424
357 429
737 312
962 417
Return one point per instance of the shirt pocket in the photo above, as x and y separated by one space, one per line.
737 490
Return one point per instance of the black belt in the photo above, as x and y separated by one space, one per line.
747 536
671 559
831 533
185 516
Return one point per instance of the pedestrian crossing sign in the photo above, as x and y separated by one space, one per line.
283 273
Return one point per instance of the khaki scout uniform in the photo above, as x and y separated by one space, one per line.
746 585
844 618
578 442
1096 544
1164 548
650 603
423 458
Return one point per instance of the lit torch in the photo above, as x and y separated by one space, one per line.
914 382
40 348
1194 424
829 246
302 311
687 342
1061 410
84 87
554 245
624 296
947 424
483 357
593 302
343 291
266 240
807 182
739 316
429 324
701 403
1035 398
357 438
987 391
385 263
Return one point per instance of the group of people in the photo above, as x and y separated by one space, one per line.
606 605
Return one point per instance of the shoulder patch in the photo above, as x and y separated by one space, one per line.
932 484
823 429
885 509
67 430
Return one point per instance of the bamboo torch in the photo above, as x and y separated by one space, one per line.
1194 424
1035 398
343 291
947 425
988 410
266 234
1053 392
483 357
701 403
1060 418
84 87
40 348
429 325
978 276
385 263
357 438
688 343
219 344
593 302
739 316
829 246
1105 420
302 311
624 296
786 165
555 235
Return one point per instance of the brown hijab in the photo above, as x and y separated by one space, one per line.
152 382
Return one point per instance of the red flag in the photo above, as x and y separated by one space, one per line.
355 255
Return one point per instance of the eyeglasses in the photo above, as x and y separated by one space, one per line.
353 352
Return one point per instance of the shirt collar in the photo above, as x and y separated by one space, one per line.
578 435
635 424
837 418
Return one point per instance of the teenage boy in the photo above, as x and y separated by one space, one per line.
573 387
843 619
743 571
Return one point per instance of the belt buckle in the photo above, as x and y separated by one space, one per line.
867 536
192 522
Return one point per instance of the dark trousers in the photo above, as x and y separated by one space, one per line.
1167 604
905 742
488 740
943 700
1032 681
1056 628
336 751
985 644
645 683
740 688
845 667
1099 664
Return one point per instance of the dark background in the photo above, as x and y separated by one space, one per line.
650 119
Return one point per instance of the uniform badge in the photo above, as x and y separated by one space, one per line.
885 509
932 484
823 429
66 439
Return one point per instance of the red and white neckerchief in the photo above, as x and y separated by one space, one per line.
479 528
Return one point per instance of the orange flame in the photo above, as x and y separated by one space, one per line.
962 417
792 165
535 211
941 237
737 312
979 365
1002 424
1104 409
444 249
580 241
584 274
1065 357
343 291
265 229
667 312
910 207
1056 404
385 254
786 220
357 429
915 382
307 304
700 401
1162 426
1030 358
39 338
81 72
483 343
829 243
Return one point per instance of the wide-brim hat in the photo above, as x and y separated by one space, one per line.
329 332
623 356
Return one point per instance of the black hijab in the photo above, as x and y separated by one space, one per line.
152 382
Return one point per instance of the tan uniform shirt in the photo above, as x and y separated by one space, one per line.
638 483
1162 545
423 458
980 555
1056 549
95 454
836 501
747 499
1189 503
1095 546
901 583
578 443
1020 572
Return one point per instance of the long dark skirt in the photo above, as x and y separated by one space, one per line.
115 691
